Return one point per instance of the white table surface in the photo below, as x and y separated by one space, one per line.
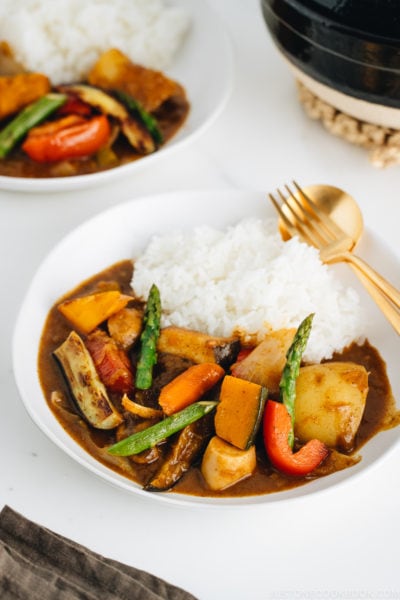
339 544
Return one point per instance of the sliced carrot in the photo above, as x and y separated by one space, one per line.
189 386
87 312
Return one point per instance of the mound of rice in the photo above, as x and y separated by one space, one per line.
247 279
64 38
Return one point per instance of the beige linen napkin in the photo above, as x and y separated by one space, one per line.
38 564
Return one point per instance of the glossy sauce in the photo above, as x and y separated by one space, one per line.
380 412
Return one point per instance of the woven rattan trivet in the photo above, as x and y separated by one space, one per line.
382 143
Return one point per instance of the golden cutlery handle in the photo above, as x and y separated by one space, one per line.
388 309
380 282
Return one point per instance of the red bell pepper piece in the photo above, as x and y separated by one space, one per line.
75 106
111 362
69 137
276 427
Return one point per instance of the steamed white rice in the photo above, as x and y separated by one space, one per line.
63 38
247 279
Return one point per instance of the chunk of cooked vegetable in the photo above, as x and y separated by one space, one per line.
330 401
239 412
185 450
223 465
198 347
264 364
142 440
287 385
189 386
125 326
29 117
146 118
87 312
67 138
277 425
111 362
135 132
115 71
17 91
139 410
148 340
87 390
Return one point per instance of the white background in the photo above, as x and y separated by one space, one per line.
337 544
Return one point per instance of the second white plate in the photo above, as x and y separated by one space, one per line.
204 66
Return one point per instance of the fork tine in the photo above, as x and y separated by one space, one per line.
288 224
305 221
296 227
332 227
308 220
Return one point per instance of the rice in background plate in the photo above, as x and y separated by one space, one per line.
64 38
247 279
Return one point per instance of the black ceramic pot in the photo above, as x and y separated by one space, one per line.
345 51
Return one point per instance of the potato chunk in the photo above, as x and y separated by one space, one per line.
330 401
224 465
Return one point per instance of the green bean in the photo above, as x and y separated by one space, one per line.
147 438
29 117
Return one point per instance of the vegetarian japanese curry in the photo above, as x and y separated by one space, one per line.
120 114
174 409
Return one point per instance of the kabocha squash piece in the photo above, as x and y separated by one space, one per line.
187 448
223 465
264 365
87 312
330 401
198 347
189 386
239 412
86 388
16 91
125 326
111 362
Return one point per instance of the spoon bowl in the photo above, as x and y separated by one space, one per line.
331 220
337 204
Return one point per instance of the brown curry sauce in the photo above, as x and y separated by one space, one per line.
380 411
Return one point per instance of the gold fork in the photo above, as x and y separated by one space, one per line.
313 225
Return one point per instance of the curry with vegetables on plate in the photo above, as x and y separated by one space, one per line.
178 409
121 113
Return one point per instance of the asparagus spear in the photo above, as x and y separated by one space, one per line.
287 385
148 338
29 117
147 438
147 119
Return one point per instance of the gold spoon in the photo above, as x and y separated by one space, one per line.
345 212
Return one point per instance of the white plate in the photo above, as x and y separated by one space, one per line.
204 66
127 228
